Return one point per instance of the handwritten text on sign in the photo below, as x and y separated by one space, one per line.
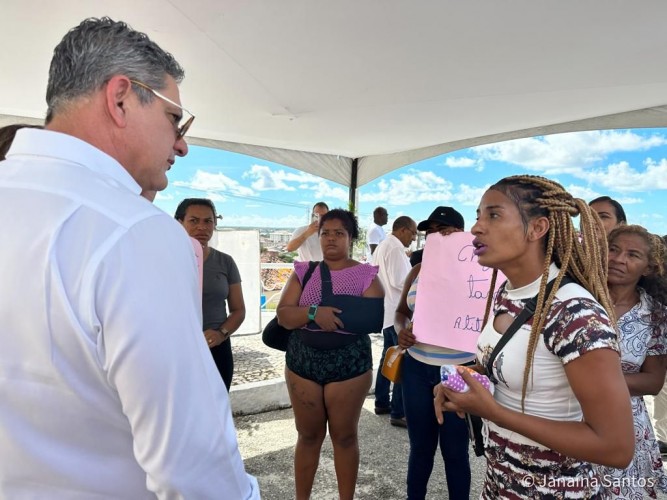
451 293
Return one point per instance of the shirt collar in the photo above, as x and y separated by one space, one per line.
56 145
531 289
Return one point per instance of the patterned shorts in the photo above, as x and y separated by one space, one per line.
324 366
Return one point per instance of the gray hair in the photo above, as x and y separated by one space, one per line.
90 54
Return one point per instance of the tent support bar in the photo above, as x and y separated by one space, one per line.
353 184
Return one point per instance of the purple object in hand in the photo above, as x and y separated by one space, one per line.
452 379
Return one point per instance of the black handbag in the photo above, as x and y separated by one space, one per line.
276 336
360 315
474 422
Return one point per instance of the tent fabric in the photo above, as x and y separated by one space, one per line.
315 84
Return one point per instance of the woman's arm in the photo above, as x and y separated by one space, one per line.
236 306
236 316
374 290
403 314
605 436
291 315
650 379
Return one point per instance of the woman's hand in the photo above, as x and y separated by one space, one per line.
477 400
213 337
406 338
327 320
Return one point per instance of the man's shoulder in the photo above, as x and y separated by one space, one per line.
389 247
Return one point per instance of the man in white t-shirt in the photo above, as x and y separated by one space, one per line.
394 267
375 233
305 240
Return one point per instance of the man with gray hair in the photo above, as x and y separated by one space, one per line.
108 388
394 266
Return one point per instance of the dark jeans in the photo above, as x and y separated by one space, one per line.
222 355
382 384
424 432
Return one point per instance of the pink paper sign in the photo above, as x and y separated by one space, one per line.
451 293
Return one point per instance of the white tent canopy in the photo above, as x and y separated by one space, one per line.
356 88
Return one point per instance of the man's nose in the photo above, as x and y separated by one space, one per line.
181 147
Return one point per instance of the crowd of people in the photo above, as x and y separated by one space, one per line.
108 367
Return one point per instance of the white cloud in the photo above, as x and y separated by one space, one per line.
469 195
411 187
325 191
629 201
215 183
460 162
622 177
160 196
567 153
266 179
582 192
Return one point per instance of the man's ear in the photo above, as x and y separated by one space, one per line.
117 91
538 228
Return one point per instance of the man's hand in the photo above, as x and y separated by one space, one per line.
313 227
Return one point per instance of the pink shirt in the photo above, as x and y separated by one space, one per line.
199 255
349 281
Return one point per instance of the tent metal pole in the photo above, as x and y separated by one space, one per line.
353 185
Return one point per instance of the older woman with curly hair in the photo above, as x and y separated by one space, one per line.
638 291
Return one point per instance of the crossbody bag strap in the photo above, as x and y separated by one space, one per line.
311 267
527 313
325 275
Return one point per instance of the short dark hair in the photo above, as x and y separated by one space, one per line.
182 208
90 54
379 210
618 208
402 221
7 135
321 204
347 218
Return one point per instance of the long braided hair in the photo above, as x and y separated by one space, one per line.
582 255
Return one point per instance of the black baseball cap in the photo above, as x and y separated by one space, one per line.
443 215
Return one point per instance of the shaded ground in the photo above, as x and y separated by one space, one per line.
267 442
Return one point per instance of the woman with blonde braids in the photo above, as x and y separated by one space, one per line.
561 402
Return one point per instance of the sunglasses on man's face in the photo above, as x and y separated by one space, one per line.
180 130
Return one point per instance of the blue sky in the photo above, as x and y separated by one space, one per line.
628 165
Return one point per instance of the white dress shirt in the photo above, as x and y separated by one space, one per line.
309 249
107 387
394 267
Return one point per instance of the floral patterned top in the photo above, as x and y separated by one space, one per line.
640 338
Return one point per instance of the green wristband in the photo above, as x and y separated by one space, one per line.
312 311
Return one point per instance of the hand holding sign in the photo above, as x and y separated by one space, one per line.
451 293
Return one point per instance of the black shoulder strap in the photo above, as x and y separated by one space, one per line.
311 267
325 273
527 313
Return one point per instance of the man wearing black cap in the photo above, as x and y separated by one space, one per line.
440 218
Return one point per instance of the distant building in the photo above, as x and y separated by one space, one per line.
278 237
